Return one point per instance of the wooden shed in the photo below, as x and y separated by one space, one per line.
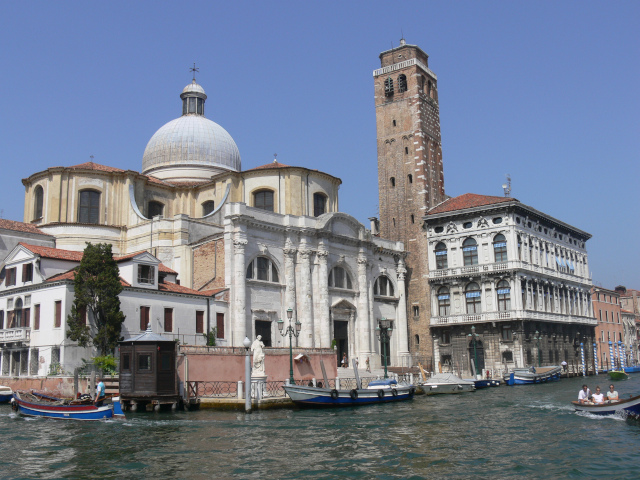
148 371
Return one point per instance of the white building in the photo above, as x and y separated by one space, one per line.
519 277
37 294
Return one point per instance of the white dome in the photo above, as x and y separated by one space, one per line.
190 147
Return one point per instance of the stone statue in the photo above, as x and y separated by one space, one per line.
257 347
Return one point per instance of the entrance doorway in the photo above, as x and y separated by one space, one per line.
264 328
479 352
341 336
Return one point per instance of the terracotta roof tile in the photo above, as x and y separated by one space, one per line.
21 227
71 274
174 287
96 166
468 200
49 252
163 268
270 165
212 292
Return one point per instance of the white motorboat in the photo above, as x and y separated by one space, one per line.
447 383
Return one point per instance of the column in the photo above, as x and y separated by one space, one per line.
363 328
403 339
323 325
290 280
305 298
240 294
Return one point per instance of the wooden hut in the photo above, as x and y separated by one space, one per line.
148 372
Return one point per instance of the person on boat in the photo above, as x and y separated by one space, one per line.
598 397
100 393
612 394
585 393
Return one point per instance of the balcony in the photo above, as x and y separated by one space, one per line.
12 335
501 267
512 315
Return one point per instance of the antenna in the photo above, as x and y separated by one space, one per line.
507 186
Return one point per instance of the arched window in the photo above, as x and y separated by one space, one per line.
470 252
17 314
339 278
500 248
417 339
383 286
402 83
410 178
154 209
38 201
89 209
472 294
504 296
388 87
441 256
261 268
444 302
319 204
263 200
393 181
208 207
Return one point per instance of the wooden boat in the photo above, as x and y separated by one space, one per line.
618 375
628 407
378 391
34 404
447 383
526 376
6 394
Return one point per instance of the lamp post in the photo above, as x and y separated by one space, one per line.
473 335
292 332
247 376
383 332
537 337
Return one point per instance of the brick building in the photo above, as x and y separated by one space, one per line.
410 174
610 329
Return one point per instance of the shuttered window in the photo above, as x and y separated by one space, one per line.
144 317
220 325
168 319
36 318
57 321
199 321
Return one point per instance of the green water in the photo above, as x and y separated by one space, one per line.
506 432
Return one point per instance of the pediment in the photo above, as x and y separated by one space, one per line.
341 224
19 254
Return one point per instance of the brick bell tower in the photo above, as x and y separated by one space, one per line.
410 175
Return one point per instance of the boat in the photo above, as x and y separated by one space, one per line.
447 383
378 391
526 376
486 383
628 407
35 404
6 394
618 375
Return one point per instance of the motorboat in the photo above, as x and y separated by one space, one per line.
628 407
447 383
618 375
484 383
378 391
531 375
35 404
6 394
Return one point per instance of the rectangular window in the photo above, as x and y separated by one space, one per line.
416 311
199 321
57 319
26 317
1 319
168 319
27 272
126 362
219 325
606 316
36 317
144 361
89 208
11 277
144 317
506 333
146 274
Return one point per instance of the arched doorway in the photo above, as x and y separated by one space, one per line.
343 315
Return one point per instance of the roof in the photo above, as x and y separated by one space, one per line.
468 200
215 291
175 288
49 252
71 274
273 164
21 227
148 336
96 166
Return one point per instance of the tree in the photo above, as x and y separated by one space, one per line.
97 286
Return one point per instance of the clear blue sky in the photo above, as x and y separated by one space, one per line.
546 91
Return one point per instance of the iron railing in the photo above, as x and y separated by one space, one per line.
201 389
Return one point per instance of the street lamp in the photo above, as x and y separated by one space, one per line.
292 332
383 332
537 337
473 335
247 376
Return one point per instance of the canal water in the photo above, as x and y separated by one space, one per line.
505 432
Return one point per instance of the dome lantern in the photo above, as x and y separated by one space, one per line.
193 98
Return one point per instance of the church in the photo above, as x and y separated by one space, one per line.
264 240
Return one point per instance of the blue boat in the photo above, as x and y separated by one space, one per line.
486 383
527 376
378 391
35 404
629 407
6 394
